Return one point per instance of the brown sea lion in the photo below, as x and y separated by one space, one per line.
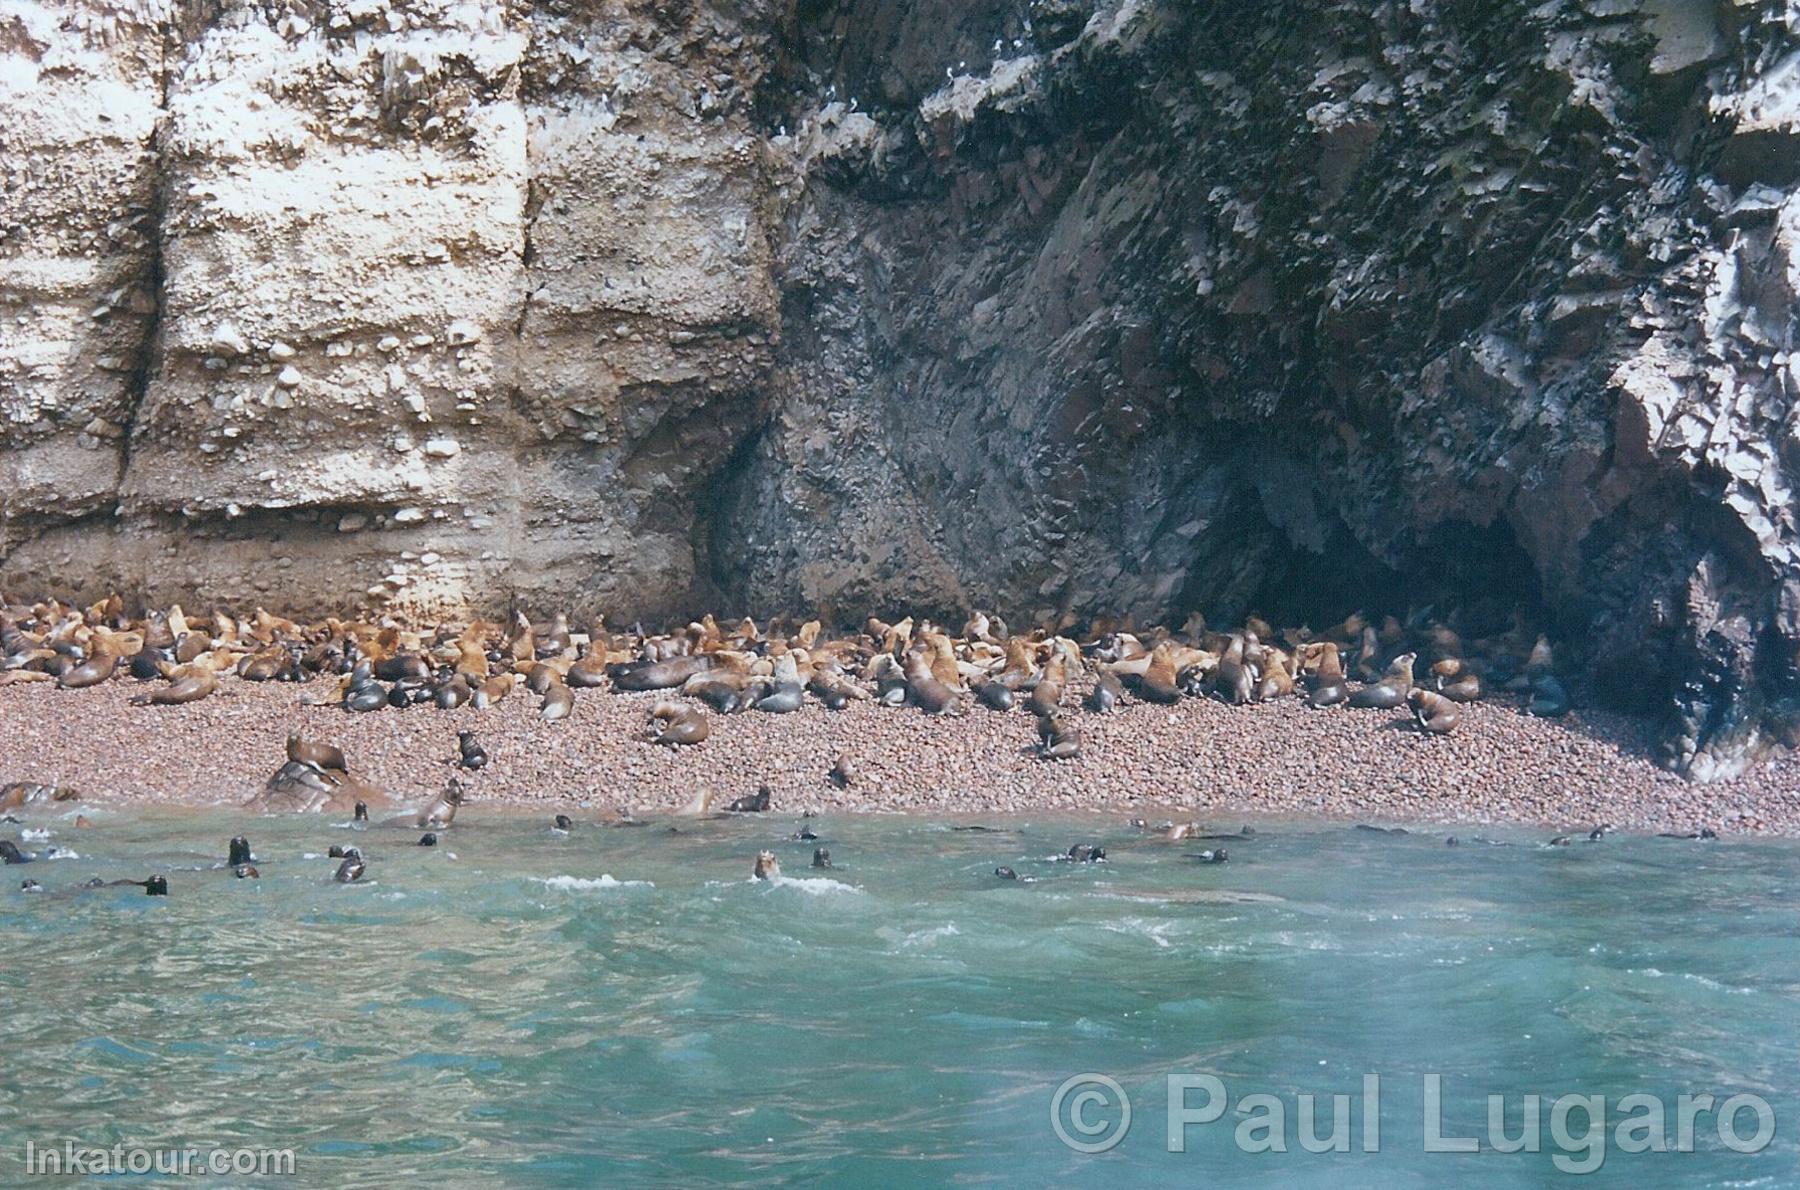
559 703
1433 712
1392 689
193 686
1057 738
671 723
1160 682
925 689
437 814
767 868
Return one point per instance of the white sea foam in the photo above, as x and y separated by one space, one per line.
813 885
34 835
582 884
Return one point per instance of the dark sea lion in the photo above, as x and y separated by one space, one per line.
752 803
1244 832
1087 853
1453 841
404 667
563 823
1215 856
923 687
155 886
351 870
821 858
1433 713
1107 694
239 852
361 813
805 834
1549 698
454 693
10 853
559 703
1560 841
146 663
474 756
672 724
336 851
784 700
368 696
1006 873
428 839
30 886
994 695
1705 832
766 866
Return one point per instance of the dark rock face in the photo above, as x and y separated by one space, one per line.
1056 307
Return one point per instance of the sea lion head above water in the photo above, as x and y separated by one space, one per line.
767 868
239 849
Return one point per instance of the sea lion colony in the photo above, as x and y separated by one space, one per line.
1423 667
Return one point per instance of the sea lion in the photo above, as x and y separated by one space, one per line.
766 866
672 724
658 675
1549 698
1325 684
1087 853
246 872
752 803
559 703
1434 714
438 814
428 839
1705 832
1057 738
351 870
1107 693
1160 681
155 886
17 794
1046 696
324 757
562 823
361 813
821 858
1213 856
30 886
1006 873
931 695
192 687
1233 683
473 756
805 834
239 849
842 772
96 669
1391 690
10 853
1456 681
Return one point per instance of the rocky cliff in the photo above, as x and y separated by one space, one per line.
1059 306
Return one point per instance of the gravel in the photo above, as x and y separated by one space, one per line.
1198 758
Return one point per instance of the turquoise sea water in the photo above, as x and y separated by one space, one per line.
626 1007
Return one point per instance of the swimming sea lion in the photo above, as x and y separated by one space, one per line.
361 813
1087 853
805 834
428 839
1218 856
1434 713
30 886
10 853
563 823
1006 873
766 866
1705 832
351 870
239 852
246 872
438 814
16 794
821 858
155 886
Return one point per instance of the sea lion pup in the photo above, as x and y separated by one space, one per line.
766 866
842 772
752 803
932 696
559 703
672 724
193 684
1107 693
1435 714
1057 738
1549 698
1456 681
1391 690
1160 682
658 675
324 757
351 870
472 755
821 858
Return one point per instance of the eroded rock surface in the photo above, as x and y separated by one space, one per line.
1057 307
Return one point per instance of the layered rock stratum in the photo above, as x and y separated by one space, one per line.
1060 307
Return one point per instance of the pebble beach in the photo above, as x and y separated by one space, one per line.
1198 759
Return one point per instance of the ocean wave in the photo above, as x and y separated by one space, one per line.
583 884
